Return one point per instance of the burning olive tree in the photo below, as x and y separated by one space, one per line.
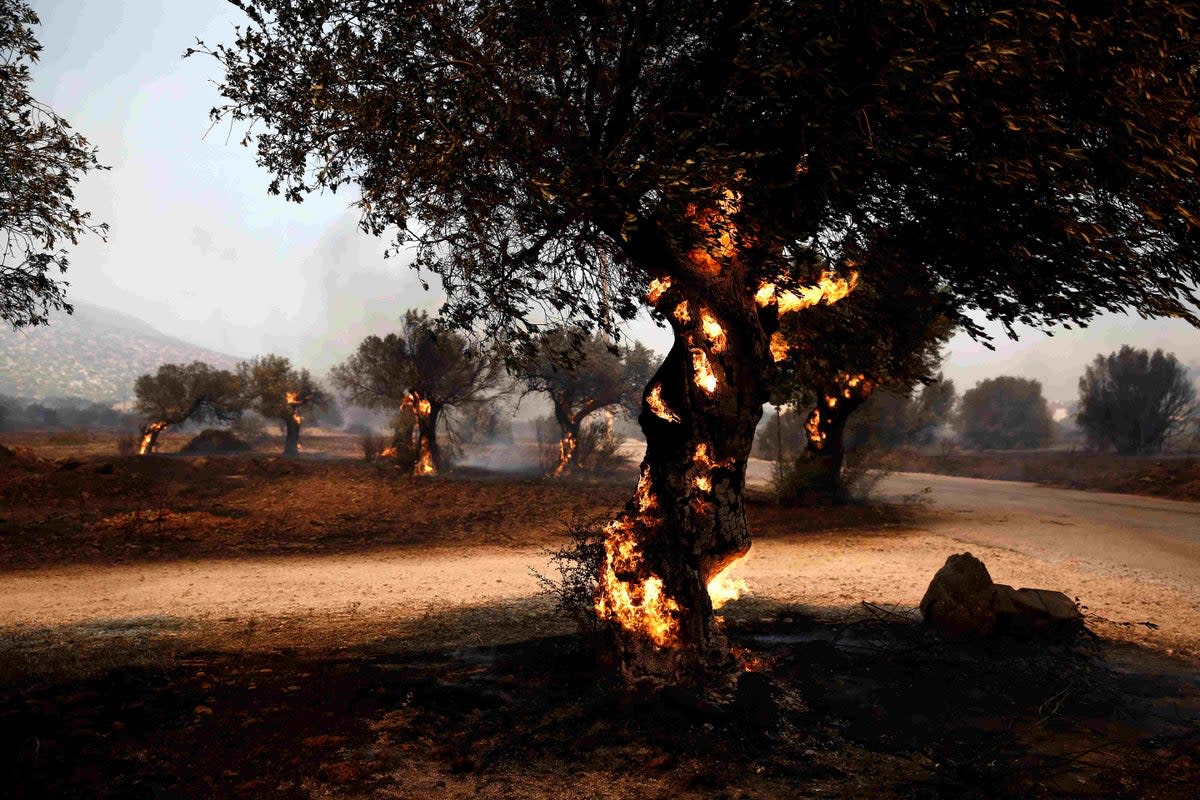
568 158
888 334
177 393
421 370
41 159
277 390
580 375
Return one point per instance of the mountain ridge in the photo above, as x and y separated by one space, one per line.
96 353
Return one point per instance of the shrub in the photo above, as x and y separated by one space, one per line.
372 443
215 440
578 564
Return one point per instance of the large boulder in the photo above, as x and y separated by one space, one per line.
959 602
962 602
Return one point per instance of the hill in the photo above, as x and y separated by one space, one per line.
95 353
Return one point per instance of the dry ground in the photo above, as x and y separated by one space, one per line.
323 627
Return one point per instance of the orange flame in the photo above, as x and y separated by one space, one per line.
724 587
779 347
421 409
829 289
813 427
566 449
148 435
712 331
719 230
657 287
682 313
702 372
659 406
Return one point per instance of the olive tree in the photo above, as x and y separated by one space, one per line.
422 370
176 393
887 334
1005 413
1133 400
41 160
581 375
276 390
578 159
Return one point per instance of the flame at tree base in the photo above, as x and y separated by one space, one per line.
630 595
149 433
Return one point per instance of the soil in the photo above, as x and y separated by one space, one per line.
1176 477
324 627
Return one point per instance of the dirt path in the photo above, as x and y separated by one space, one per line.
364 594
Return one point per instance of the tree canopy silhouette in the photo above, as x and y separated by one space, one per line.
1133 400
177 393
1005 413
275 389
41 159
423 370
1037 159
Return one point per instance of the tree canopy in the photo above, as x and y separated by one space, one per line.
1005 413
1039 159
41 159
1133 400
423 369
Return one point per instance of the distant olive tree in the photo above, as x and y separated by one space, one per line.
1134 401
1005 413
420 372
275 389
580 375
177 393
41 159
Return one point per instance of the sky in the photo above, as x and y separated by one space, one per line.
199 250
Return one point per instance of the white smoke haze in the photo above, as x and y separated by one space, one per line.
201 252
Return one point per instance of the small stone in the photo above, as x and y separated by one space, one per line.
201 711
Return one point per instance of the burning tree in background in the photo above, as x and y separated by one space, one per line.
421 371
580 375
277 390
177 393
1039 160
888 334
40 161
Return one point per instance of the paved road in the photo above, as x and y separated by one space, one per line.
1141 537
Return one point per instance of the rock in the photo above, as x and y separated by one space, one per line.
1035 610
959 602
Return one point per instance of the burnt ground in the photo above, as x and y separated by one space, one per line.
872 709
868 706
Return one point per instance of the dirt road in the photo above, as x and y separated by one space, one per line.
1129 560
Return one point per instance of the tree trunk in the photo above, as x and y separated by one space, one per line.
149 441
429 453
687 521
291 441
820 465
568 439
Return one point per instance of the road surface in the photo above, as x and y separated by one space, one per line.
1130 560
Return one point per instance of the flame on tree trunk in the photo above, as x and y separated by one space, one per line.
150 434
667 554
292 421
825 449
424 433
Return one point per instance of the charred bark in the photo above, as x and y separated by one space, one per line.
291 440
688 521
819 467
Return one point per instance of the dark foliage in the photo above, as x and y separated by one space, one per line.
1134 401
1005 413
18 413
41 160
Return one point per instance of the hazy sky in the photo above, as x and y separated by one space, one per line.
199 250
